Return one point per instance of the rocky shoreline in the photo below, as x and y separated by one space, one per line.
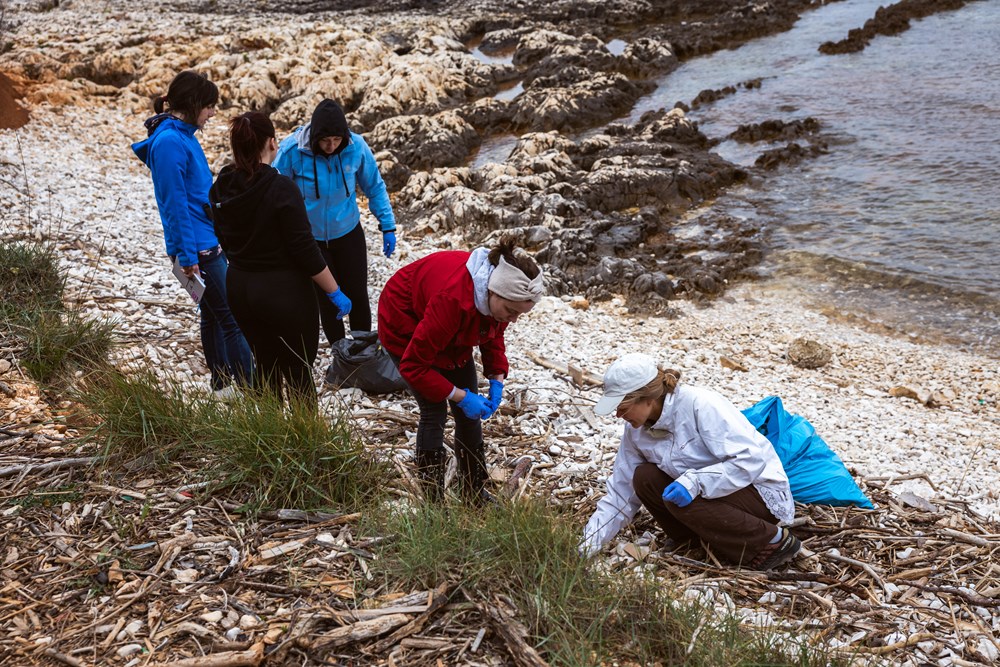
611 214
620 214
578 188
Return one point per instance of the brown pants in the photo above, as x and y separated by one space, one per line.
736 526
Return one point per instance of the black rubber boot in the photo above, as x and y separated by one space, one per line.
472 469
430 472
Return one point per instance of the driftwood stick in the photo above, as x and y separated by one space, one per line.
359 631
513 634
969 539
856 563
439 597
51 465
579 376
248 658
974 600
889 648
520 470
63 658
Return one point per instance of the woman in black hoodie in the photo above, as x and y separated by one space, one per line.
261 222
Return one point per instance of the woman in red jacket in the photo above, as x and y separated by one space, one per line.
430 315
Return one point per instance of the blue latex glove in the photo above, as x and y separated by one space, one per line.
496 393
340 300
388 243
475 406
676 493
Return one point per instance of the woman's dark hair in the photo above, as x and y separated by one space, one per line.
187 95
248 133
507 248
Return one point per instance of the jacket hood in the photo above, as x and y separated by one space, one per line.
328 120
479 268
154 123
237 194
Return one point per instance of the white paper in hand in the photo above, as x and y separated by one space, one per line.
194 285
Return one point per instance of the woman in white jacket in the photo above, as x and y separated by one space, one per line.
696 463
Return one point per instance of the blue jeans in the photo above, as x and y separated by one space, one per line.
226 351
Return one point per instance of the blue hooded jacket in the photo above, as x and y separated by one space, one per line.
181 180
329 182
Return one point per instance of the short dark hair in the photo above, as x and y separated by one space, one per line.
515 256
187 95
248 133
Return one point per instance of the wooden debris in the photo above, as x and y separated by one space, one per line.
513 634
580 377
248 658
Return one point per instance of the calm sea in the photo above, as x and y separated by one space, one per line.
899 223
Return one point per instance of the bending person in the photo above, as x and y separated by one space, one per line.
261 220
329 163
181 179
696 464
430 315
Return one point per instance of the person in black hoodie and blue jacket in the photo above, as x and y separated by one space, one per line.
181 178
329 163
261 221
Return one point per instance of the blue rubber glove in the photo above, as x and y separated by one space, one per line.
496 393
340 300
676 493
388 243
475 406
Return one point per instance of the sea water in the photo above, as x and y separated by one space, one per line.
899 221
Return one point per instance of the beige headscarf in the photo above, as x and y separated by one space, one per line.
511 283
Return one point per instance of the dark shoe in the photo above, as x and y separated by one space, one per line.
777 553
430 472
486 499
472 472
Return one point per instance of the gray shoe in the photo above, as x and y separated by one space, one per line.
777 553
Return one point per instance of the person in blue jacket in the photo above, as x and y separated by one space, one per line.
329 163
181 180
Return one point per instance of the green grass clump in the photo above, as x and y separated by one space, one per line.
29 278
576 614
275 456
55 342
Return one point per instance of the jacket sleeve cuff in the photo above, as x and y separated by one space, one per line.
690 484
452 394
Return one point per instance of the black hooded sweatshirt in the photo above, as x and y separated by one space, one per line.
261 222
328 120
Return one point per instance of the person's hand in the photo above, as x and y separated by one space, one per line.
340 300
388 243
676 493
475 406
496 393
191 271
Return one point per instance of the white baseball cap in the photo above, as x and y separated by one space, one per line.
629 373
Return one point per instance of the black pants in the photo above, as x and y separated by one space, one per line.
277 312
736 526
468 432
347 258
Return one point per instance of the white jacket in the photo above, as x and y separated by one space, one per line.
707 445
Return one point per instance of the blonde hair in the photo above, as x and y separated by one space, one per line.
664 383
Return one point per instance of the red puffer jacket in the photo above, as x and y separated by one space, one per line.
427 316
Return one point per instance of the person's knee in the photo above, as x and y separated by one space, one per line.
646 474
433 414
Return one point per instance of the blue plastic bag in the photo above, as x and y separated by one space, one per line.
815 472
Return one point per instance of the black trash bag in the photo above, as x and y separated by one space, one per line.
360 361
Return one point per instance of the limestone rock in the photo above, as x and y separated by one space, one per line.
807 353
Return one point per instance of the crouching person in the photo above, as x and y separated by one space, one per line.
696 464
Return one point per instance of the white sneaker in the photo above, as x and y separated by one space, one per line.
226 393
